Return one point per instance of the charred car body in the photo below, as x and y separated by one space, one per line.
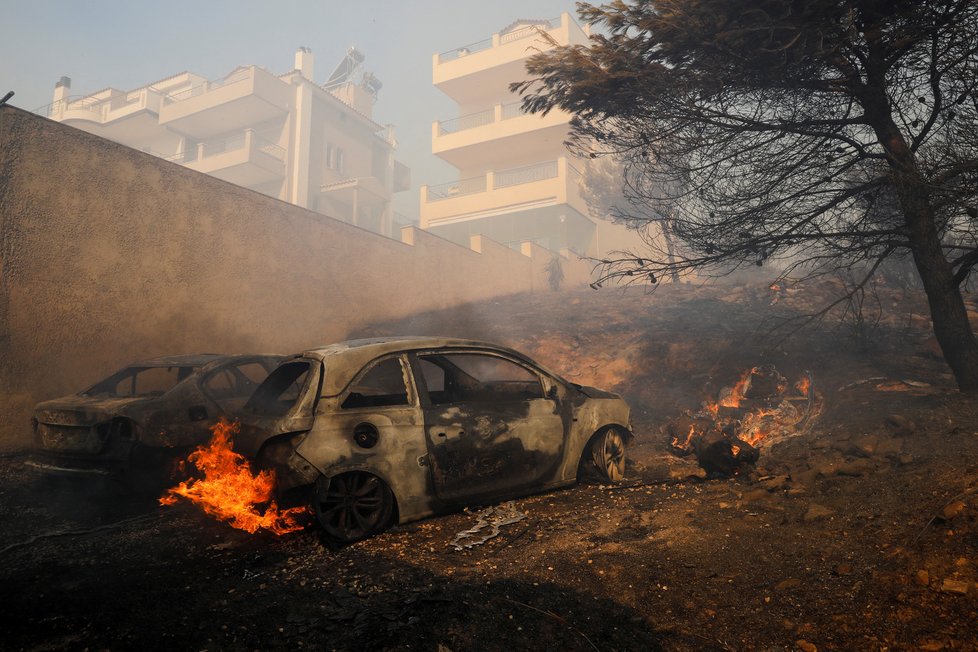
137 421
387 431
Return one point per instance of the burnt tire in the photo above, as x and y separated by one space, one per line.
606 454
352 506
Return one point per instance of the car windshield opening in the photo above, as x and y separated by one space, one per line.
280 391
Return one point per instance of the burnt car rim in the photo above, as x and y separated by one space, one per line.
352 506
608 453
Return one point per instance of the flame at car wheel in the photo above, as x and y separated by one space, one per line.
230 491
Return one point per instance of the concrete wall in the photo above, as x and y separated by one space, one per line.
108 255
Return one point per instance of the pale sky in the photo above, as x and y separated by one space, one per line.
130 43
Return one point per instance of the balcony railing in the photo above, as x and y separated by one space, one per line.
203 87
98 107
470 121
478 46
499 39
525 174
499 179
529 30
452 189
481 118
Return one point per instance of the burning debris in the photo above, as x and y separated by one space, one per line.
230 491
726 434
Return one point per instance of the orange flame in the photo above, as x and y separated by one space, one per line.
736 395
685 445
803 385
230 491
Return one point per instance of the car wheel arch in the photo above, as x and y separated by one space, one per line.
584 454
384 477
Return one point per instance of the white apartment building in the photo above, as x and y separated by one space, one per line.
517 182
313 145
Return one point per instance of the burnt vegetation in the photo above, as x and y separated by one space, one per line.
817 137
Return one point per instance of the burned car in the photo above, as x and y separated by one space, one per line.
385 431
136 422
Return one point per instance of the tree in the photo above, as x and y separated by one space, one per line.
820 134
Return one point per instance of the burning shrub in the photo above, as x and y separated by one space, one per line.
726 434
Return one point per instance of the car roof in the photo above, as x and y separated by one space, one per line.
195 359
345 359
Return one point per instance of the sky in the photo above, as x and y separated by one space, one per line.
130 43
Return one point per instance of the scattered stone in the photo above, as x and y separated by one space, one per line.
905 459
952 510
956 587
844 568
931 646
862 446
816 512
784 585
756 495
922 578
775 483
900 425
805 646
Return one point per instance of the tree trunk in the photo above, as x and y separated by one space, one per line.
948 314
947 311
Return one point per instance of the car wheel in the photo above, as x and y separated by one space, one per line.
608 454
353 506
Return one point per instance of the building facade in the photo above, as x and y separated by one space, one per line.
313 145
516 180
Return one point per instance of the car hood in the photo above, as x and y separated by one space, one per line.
594 392
77 410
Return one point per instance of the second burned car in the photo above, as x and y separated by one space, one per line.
387 431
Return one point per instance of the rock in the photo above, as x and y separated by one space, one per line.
956 587
899 425
843 569
756 495
838 466
784 585
862 446
890 447
775 483
922 578
952 510
905 459
805 646
816 512
931 646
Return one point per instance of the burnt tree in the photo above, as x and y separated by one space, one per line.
820 134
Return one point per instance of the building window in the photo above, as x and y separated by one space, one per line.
335 160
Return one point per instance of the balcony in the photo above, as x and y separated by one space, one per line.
488 138
244 159
485 68
531 187
111 114
245 97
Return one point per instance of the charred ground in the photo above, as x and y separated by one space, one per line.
860 533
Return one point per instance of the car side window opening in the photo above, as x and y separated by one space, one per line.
140 381
474 377
220 385
382 385
280 391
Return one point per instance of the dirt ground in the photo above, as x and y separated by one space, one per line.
860 533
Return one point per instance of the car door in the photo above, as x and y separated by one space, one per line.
374 425
489 427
